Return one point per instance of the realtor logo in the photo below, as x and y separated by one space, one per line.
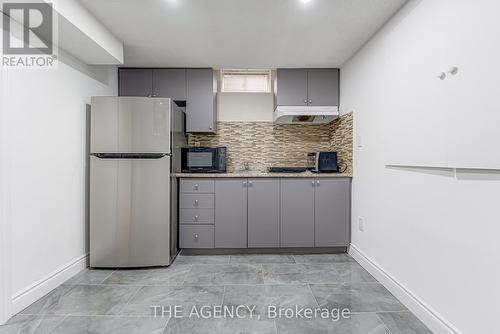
28 35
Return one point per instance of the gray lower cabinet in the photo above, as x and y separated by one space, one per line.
231 213
332 212
135 82
200 100
192 236
263 213
259 213
297 212
196 216
170 82
197 186
196 201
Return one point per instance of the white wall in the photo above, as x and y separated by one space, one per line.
431 234
4 234
44 172
245 107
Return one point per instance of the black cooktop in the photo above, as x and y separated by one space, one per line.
287 169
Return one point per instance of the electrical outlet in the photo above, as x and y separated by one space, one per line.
361 224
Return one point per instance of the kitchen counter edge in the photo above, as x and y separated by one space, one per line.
263 175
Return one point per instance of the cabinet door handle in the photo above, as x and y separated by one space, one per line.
250 183
244 183
312 182
196 186
196 218
195 236
317 182
305 101
310 101
196 202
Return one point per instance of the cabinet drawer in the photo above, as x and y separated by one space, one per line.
194 236
196 216
197 201
197 186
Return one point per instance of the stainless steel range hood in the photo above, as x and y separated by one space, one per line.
305 114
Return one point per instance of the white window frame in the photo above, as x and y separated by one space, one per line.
267 72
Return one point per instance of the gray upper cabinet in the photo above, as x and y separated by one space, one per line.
197 87
231 213
291 89
135 82
170 82
263 212
323 87
307 87
201 100
297 213
332 212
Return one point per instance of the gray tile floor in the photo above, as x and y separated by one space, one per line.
106 301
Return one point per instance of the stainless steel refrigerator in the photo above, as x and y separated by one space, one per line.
135 150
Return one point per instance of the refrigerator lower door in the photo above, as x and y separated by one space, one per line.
129 212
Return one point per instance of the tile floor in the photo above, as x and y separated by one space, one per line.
107 301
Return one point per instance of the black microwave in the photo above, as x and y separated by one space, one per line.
204 159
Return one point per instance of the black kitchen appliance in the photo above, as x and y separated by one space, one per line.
287 169
324 162
204 159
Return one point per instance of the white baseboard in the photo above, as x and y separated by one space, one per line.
422 310
32 293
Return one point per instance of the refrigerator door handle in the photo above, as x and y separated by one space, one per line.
130 155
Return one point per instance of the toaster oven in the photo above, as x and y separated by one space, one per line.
324 162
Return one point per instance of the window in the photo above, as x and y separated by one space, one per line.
246 81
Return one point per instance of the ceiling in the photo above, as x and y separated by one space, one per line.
242 33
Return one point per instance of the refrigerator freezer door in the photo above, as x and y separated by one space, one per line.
130 125
129 212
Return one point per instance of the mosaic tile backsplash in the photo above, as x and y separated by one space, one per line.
265 144
341 140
